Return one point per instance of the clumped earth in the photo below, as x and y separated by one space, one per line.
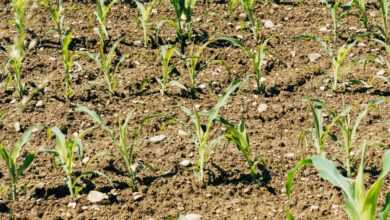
170 189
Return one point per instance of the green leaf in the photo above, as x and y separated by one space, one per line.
386 208
223 100
95 117
61 144
19 144
26 163
329 172
4 154
291 175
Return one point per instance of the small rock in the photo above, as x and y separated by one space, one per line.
32 44
157 139
313 57
322 88
96 196
17 126
138 43
182 133
39 103
202 86
380 72
262 108
361 44
289 155
268 24
323 29
72 205
85 160
137 196
190 217
185 163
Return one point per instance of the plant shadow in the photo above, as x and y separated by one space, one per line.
225 178
4 208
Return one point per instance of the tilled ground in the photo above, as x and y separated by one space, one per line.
170 190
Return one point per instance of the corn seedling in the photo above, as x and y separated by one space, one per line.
10 158
361 5
348 129
65 38
145 12
334 7
204 141
248 8
16 52
121 142
105 61
338 60
237 134
193 67
166 53
67 153
64 153
101 13
67 59
360 203
183 21
257 57
108 66
320 131
338 57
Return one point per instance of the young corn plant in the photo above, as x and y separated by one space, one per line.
105 61
320 131
65 38
101 13
348 129
334 7
193 66
67 59
64 152
204 140
237 134
360 203
361 5
183 21
108 66
16 52
11 157
166 53
257 57
338 57
121 141
145 12
338 60
248 8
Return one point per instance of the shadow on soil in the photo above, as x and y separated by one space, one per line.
4 208
225 178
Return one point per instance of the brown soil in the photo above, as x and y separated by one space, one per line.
171 190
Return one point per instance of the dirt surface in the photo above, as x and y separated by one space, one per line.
170 190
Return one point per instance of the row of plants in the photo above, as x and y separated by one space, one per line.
109 64
361 204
